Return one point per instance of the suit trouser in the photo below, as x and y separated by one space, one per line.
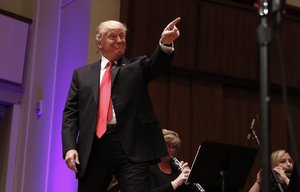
107 158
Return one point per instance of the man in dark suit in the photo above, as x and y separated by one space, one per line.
132 137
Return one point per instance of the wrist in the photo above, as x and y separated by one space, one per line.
287 181
168 44
174 184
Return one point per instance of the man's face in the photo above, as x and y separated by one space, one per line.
113 44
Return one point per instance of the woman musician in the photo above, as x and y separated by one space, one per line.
282 167
169 174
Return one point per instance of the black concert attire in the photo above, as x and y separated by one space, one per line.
161 182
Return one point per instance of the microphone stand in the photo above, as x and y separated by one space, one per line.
254 136
264 39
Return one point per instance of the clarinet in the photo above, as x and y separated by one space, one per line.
177 163
179 166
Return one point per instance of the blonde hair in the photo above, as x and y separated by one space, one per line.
171 138
276 157
105 26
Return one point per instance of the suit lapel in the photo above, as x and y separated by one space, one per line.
121 63
95 74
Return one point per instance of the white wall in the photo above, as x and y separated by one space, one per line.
35 133
61 39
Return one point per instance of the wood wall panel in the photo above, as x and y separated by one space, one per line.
294 131
186 48
290 49
207 115
180 113
212 89
227 40
278 127
159 92
239 108
146 21
281 136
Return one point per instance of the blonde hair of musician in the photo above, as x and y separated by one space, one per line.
172 139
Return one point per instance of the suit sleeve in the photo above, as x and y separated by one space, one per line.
158 63
70 117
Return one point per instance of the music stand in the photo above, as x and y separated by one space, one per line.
221 166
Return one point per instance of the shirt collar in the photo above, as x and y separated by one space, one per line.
104 62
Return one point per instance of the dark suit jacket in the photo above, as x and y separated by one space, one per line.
138 127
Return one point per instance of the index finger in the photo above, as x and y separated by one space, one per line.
173 23
74 168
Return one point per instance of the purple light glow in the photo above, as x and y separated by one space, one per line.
72 53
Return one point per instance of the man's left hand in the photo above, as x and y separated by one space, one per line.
170 33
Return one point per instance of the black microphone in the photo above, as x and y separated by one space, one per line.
251 133
251 127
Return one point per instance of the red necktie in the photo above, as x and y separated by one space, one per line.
105 105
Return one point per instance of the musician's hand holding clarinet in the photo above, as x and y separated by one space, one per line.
183 176
170 174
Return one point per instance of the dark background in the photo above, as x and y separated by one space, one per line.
212 91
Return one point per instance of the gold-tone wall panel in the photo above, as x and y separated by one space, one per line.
101 10
23 8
